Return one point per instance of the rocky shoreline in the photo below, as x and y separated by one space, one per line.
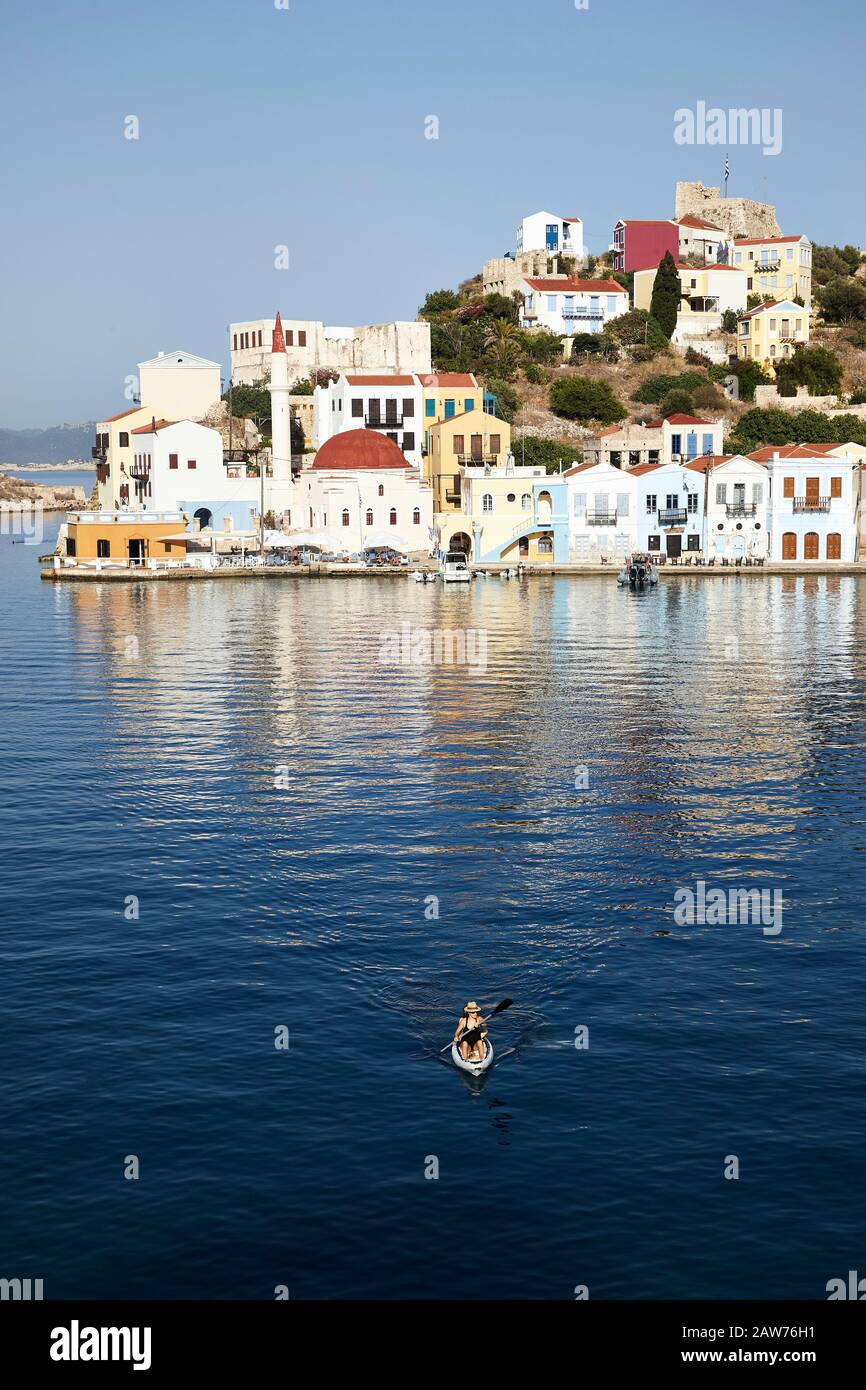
19 495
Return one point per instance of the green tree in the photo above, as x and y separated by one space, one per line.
665 302
439 302
546 453
581 398
729 321
815 367
831 261
637 326
843 300
303 387
507 399
677 403
499 306
585 345
748 375
251 402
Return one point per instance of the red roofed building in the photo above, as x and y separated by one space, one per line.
362 492
566 306
679 438
386 402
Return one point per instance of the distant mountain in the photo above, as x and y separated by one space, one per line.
54 445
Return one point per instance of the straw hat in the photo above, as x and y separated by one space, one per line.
472 1008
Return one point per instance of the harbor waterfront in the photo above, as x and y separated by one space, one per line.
232 816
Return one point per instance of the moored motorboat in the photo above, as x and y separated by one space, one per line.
639 573
475 1068
454 568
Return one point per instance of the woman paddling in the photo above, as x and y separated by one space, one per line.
471 1018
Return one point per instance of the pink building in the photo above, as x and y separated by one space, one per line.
638 245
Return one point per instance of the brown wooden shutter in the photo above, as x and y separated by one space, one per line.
459 443
408 406
813 489
495 443
836 491
810 547
789 487
834 545
789 546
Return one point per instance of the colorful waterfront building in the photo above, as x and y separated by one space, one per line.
736 506
361 492
94 538
706 293
814 504
779 265
602 512
469 439
772 332
387 403
669 508
509 514
179 465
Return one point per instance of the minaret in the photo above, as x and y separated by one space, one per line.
281 415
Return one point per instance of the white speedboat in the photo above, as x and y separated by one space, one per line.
454 568
474 1068
424 577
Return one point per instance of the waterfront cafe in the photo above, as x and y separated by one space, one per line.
96 538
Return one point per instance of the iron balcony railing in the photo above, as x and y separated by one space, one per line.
761 266
389 422
672 516
811 504
741 508
478 460
98 451
582 313
601 518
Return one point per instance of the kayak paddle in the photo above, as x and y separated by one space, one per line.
474 1034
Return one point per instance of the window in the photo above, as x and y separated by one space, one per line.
468 405
368 518
692 502
653 456
526 502
357 407
495 444
290 337
611 303
450 410
172 460
459 444
409 439
345 516
409 407
235 342
578 505
693 543
615 458
551 303
190 463
416 517
676 443
721 493
302 338
757 493
71 545
788 487
622 504
708 444
123 440
633 458
430 408
512 497
381 490
487 502
654 543
650 502
789 253
835 487
672 501
392 516
103 549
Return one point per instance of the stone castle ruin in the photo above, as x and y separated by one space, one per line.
740 217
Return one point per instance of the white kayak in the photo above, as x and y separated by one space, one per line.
474 1068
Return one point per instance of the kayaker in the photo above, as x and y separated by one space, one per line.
471 1018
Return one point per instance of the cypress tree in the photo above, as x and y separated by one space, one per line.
665 303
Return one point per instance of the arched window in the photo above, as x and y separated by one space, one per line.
381 490
368 521
526 501
487 502
392 516
345 516
416 517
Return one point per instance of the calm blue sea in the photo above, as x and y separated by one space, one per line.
290 815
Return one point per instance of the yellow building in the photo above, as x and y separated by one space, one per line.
777 265
706 292
124 539
113 450
771 332
445 395
509 515
469 438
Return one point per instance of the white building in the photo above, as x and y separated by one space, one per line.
813 505
736 498
177 466
361 492
312 346
710 244
669 509
602 521
674 440
545 231
389 403
567 306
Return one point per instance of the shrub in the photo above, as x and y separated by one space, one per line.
536 375
748 375
547 453
759 428
729 321
655 388
677 403
815 367
580 398
843 301
642 353
637 326
438 302
858 397
585 344
507 399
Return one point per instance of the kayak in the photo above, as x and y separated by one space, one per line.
474 1068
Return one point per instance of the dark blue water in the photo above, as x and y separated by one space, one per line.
143 730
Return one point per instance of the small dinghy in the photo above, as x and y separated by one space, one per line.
423 577
639 573
474 1068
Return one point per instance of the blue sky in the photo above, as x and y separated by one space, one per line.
305 127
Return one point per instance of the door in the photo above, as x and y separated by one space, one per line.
813 489
789 546
523 546
834 546
810 546
675 546
477 447
136 550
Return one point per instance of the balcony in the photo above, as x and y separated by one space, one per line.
811 504
601 518
673 516
391 422
478 461
98 452
741 508
590 314
761 267
139 470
